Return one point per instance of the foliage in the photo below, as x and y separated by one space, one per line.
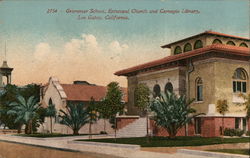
142 100
25 111
248 133
222 106
112 103
103 132
8 95
233 132
246 103
172 112
167 142
92 114
74 117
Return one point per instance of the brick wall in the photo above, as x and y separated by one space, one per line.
160 131
124 121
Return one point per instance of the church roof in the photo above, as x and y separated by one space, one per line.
228 49
80 92
206 33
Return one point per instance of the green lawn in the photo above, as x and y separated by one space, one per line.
233 151
166 142
48 135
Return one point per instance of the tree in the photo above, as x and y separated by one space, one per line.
51 112
113 102
8 95
92 114
75 116
25 111
172 112
142 100
222 108
246 103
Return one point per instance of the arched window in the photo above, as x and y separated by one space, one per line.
168 88
50 101
187 47
199 89
240 81
243 45
177 50
198 44
217 41
231 43
157 91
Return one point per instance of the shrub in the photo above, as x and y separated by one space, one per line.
248 133
233 132
103 132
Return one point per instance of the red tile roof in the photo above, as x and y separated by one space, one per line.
243 51
206 33
78 92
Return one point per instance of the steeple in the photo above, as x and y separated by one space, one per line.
5 71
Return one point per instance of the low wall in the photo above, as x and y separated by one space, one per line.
123 121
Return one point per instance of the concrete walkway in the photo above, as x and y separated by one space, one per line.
66 144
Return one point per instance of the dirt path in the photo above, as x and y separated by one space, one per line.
14 150
172 150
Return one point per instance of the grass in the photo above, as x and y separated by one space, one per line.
48 135
166 142
233 151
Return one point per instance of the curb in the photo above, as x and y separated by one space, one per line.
127 146
210 154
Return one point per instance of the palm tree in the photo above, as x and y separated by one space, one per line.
25 111
172 112
246 103
222 108
51 112
74 117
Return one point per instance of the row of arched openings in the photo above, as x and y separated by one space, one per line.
157 89
199 44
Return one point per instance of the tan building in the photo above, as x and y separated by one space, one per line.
207 67
80 91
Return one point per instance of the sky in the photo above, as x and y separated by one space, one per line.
41 44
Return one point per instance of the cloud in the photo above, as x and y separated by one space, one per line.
82 58
41 51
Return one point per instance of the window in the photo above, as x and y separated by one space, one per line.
168 87
240 81
197 125
177 50
231 43
237 123
50 101
217 41
198 44
157 91
187 47
199 89
243 45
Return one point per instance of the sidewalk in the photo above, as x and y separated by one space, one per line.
63 144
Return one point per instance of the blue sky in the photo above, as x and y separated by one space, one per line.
30 31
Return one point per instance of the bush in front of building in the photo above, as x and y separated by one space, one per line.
233 132
248 133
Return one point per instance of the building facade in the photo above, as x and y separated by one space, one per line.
208 67
80 91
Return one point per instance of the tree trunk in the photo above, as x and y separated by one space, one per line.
90 131
104 125
50 124
115 128
75 132
147 126
29 129
222 126
19 130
